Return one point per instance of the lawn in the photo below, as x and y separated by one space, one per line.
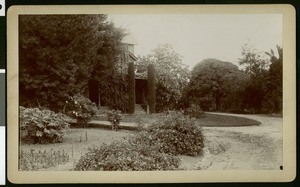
215 120
210 120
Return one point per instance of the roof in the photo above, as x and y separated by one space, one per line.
129 39
132 56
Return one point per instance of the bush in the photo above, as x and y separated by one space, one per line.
114 117
42 126
81 108
194 111
174 134
126 156
35 160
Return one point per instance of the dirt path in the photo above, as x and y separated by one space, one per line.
241 148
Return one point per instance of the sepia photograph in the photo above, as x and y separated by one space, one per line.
131 92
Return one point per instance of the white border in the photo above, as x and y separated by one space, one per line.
289 97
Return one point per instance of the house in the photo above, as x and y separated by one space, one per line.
139 89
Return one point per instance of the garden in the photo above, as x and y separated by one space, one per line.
161 141
64 74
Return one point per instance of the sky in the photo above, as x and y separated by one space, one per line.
199 36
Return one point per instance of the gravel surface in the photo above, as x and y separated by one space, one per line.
241 148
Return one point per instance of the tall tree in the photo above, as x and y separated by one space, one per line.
273 84
60 53
171 75
213 80
253 61
256 65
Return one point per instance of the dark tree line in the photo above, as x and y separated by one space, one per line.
60 54
220 86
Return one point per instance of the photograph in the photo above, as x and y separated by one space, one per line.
139 92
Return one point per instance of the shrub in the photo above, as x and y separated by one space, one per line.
35 160
114 117
126 156
42 126
194 111
81 108
175 134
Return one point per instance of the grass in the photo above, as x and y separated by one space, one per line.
133 118
215 120
210 120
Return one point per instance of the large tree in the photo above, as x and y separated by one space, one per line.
256 66
59 54
273 84
171 75
212 81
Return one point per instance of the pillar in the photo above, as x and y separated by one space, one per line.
131 83
151 88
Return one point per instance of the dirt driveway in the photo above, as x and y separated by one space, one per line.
241 148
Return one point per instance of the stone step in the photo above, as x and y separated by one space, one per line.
139 109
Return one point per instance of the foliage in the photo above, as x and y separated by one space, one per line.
253 60
211 81
151 88
59 54
194 111
273 85
256 67
80 108
126 156
114 92
34 160
114 117
174 134
171 75
264 90
152 148
131 80
42 126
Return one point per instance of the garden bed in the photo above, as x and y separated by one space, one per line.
75 144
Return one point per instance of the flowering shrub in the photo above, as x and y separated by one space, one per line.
35 160
194 111
42 126
114 117
126 156
81 108
174 134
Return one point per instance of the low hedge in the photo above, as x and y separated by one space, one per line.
126 156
